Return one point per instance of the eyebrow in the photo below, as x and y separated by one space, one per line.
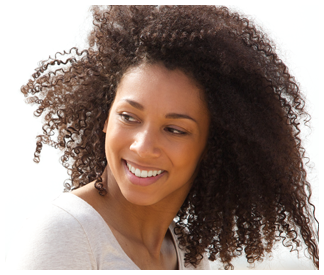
171 115
135 104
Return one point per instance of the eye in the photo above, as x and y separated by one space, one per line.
127 118
175 131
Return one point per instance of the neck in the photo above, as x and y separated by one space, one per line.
147 224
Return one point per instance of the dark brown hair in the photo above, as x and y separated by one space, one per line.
251 188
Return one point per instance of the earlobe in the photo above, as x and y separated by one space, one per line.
105 126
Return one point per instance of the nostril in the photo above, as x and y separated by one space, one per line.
145 147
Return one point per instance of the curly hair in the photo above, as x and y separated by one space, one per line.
251 188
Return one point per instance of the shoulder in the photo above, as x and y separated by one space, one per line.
204 263
54 238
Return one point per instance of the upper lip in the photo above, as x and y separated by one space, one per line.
141 167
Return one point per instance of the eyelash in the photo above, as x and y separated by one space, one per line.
126 118
180 133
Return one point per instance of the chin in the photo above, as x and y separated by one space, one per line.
139 198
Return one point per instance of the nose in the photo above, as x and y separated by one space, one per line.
145 144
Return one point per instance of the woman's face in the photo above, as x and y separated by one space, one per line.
156 134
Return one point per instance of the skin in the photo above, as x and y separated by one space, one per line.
141 130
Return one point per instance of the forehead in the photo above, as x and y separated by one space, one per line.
172 87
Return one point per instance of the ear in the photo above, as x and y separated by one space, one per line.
105 126
204 153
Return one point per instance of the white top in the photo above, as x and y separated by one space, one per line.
71 234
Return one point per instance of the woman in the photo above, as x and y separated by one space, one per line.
172 112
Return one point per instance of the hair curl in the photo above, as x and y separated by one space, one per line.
251 188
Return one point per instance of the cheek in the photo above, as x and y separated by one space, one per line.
186 158
116 141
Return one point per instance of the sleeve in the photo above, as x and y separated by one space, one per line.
53 240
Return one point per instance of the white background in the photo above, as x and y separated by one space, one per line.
31 32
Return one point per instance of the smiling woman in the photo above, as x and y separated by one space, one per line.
179 126
165 130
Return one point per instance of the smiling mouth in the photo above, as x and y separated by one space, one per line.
143 173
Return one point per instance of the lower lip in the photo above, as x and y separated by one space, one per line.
141 181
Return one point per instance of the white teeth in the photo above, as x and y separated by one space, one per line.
137 172
143 173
